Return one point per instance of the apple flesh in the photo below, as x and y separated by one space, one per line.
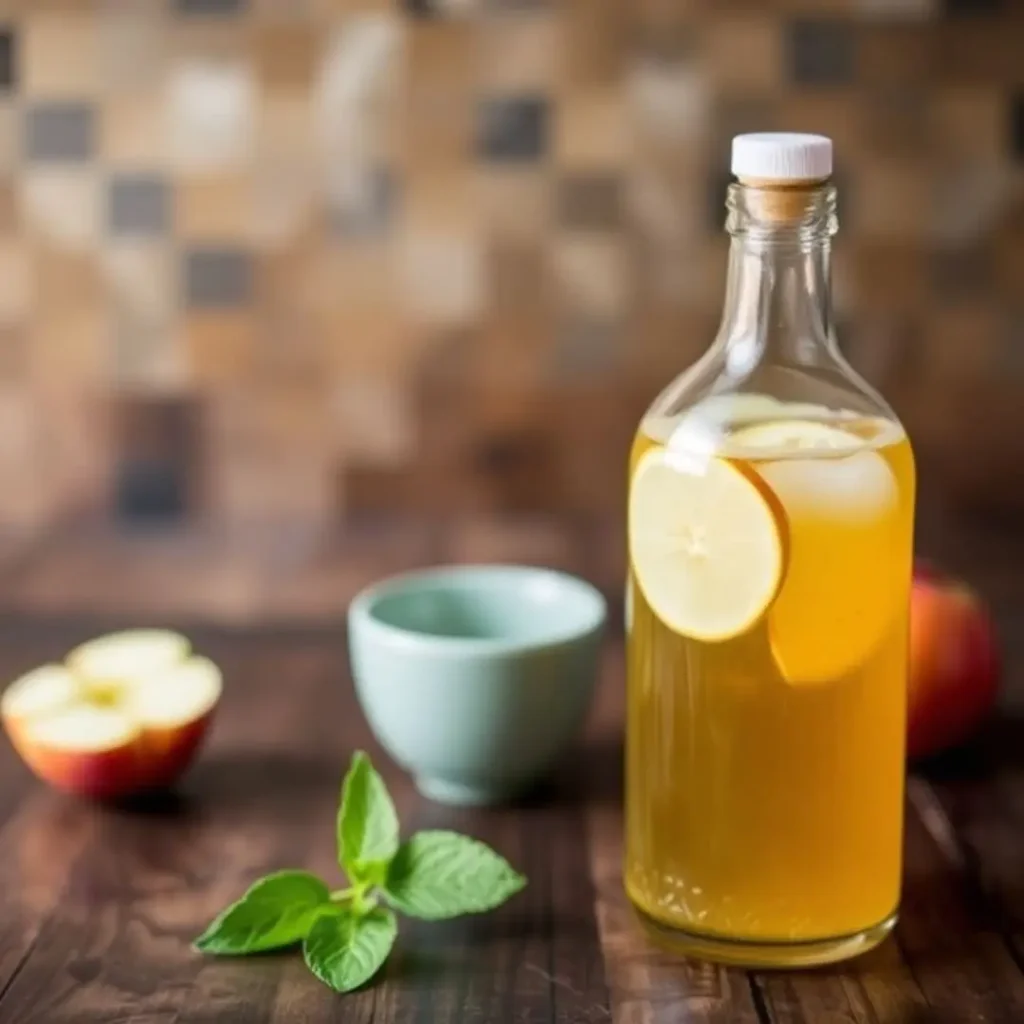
124 713
954 665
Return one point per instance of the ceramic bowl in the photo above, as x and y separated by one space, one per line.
475 678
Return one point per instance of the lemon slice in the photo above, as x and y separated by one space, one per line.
840 594
706 544
795 436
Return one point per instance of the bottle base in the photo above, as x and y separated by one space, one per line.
765 955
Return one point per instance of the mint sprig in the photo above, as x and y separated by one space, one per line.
367 823
347 934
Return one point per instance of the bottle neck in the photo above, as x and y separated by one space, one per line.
778 306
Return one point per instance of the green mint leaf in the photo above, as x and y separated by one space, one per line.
276 911
367 823
345 950
442 874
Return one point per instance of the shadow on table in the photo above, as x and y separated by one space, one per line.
589 774
241 781
478 945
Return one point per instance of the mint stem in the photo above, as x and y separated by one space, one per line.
341 895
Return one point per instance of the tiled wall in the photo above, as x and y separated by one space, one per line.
268 260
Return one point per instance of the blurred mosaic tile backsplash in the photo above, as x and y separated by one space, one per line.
304 260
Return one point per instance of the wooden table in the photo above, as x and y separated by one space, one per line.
97 905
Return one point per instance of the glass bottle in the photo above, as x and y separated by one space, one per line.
770 542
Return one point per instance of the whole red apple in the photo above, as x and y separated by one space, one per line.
954 665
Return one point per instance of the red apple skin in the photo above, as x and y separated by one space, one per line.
954 666
155 759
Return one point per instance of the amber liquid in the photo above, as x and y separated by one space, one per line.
759 810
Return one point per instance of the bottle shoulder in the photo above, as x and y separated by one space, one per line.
767 389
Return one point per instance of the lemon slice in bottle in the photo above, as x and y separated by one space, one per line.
706 543
788 436
840 594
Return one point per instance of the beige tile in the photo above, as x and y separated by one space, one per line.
63 206
596 38
10 135
218 346
436 132
60 55
289 346
10 212
377 344
14 356
670 106
141 280
273 491
284 203
442 278
148 357
214 208
207 40
273 12
285 126
24 476
69 345
17 272
352 7
132 44
518 279
592 275
510 356
288 172
519 54
134 130
67 279
272 418
679 274
440 56
513 203
287 55
667 206
592 131
363 279
373 419
440 202
743 53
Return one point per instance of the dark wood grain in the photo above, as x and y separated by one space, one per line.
98 904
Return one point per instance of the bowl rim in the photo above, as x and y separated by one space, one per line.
362 612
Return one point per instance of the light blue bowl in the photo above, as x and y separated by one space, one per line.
475 678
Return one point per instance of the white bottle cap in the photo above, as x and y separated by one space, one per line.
782 156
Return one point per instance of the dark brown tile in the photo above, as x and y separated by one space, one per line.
158 459
590 202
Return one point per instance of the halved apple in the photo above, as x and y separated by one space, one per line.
125 713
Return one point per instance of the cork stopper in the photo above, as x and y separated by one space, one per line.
771 202
781 169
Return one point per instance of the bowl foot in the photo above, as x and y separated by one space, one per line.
459 794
